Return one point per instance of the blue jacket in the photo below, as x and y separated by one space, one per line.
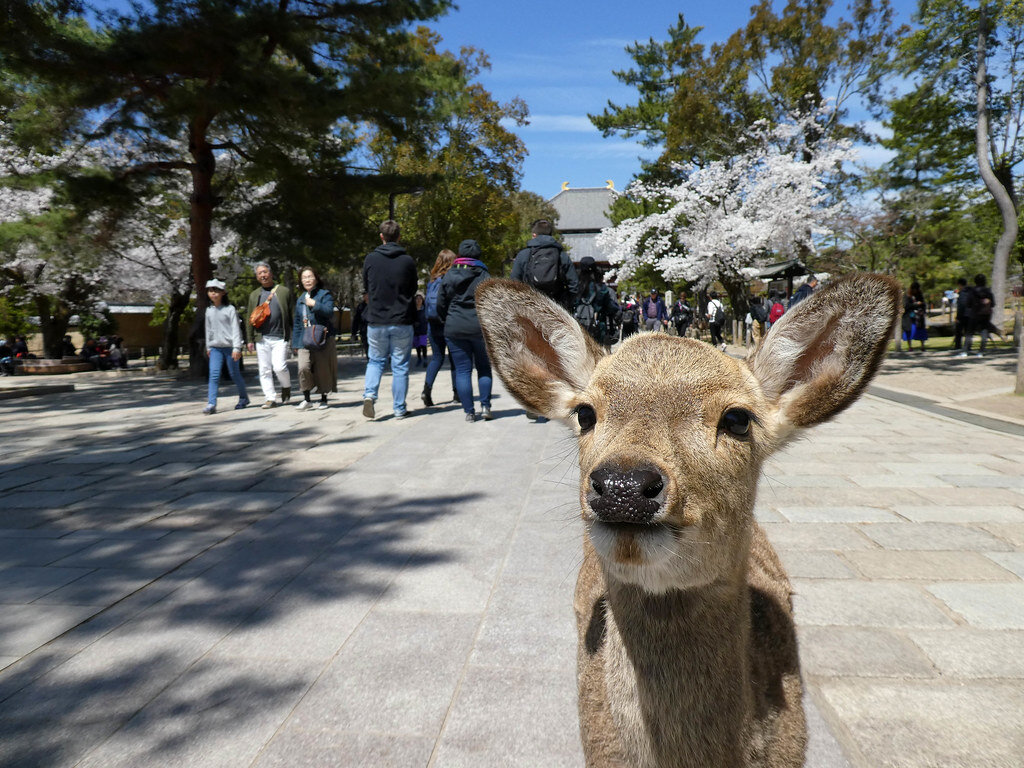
321 313
659 308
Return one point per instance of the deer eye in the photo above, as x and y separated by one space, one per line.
586 416
736 421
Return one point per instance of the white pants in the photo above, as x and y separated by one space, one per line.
272 354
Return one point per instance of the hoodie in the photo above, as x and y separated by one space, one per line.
389 277
456 302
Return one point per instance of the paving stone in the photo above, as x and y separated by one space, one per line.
951 514
825 514
1011 561
814 565
1012 533
25 584
867 604
932 536
23 628
931 566
988 606
19 499
37 551
908 724
295 748
541 728
861 652
101 587
898 481
379 681
818 537
964 652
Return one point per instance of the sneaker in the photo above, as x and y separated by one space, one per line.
210 409
978 354
368 411
286 394
470 417
962 354
268 405
241 404
723 346
322 405
402 415
305 405
485 413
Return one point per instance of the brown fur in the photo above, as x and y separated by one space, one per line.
687 649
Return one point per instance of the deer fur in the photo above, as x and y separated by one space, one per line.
687 650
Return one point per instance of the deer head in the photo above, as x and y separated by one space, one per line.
672 433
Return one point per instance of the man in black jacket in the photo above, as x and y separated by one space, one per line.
544 265
389 278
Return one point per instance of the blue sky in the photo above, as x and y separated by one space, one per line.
559 58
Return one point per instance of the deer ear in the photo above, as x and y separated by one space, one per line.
819 356
540 352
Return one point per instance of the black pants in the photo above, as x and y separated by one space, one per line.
716 333
958 335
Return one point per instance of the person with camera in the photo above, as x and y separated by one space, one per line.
269 314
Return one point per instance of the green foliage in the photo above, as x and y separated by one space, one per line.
696 103
161 308
14 315
96 324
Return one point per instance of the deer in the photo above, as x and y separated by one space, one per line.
687 651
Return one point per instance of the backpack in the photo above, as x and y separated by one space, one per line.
758 312
719 317
586 315
430 300
777 311
983 309
544 269
629 315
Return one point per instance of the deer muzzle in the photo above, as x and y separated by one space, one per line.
619 495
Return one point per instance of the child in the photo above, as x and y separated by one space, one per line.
419 330
223 344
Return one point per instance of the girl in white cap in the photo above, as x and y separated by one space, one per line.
223 344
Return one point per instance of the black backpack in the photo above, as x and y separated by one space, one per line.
586 314
544 270
983 304
759 312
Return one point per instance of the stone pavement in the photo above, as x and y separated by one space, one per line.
275 588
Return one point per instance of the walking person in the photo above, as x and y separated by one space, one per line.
318 365
359 324
268 338
419 332
716 319
630 316
457 307
595 308
979 316
681 315
435 327
389 278
963 297
914 322
654 312
803 291
544 265
223 345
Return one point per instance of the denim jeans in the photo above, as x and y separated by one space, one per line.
465 354
218 356
394 341
435 331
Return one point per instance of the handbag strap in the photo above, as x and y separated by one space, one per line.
305 310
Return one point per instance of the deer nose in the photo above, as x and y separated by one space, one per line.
626 496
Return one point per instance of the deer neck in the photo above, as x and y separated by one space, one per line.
677 673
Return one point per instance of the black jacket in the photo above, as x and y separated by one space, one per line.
568 295
389 277
456 302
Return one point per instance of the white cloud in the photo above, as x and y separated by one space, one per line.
562 123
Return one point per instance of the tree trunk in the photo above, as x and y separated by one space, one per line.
53 323
176 306
200 234
999 192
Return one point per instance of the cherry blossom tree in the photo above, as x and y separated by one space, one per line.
47 258
773 199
